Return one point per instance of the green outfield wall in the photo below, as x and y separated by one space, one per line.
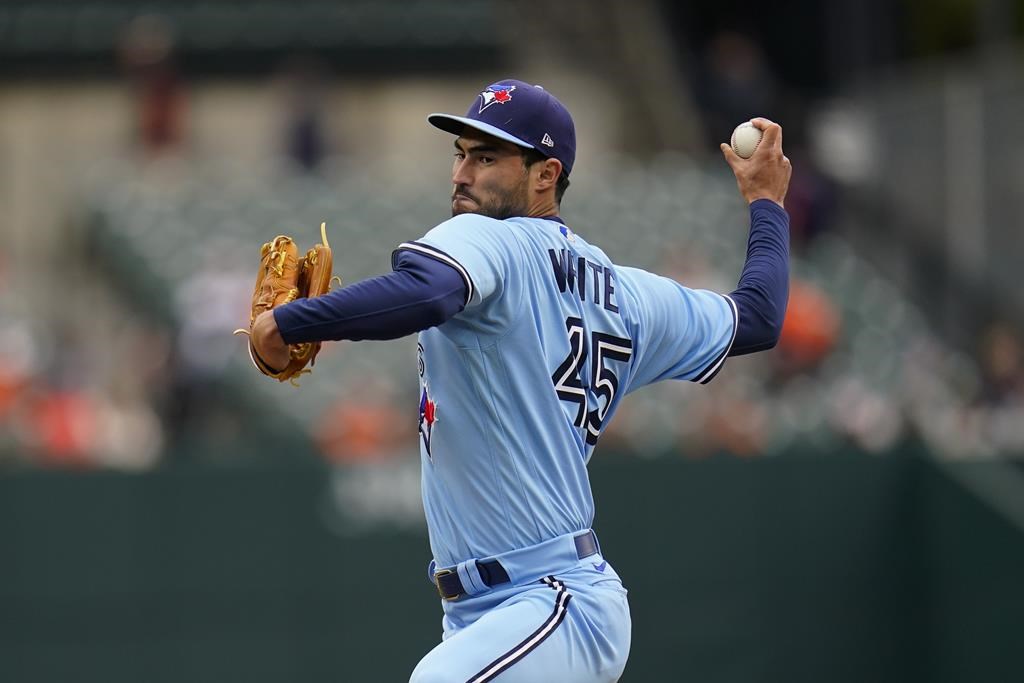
805 568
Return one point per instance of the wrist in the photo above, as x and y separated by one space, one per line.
764 198
267 341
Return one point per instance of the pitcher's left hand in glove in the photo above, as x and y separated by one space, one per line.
283 277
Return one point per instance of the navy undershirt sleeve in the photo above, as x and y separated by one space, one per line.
763 289
421 292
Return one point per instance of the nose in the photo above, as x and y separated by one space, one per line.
460 173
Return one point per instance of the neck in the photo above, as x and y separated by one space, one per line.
542 208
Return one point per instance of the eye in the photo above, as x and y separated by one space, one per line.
459 156
486 160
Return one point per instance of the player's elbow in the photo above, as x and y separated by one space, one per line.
758 325
771 327
441 309
433 315
773 331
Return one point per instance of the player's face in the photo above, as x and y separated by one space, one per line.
488 177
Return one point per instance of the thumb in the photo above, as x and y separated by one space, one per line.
731 157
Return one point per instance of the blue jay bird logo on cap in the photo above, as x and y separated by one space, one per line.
498 93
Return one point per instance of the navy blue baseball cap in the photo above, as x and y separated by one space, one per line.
520 113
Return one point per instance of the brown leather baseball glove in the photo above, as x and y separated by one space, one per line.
283 277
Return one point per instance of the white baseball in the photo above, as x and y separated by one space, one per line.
745 140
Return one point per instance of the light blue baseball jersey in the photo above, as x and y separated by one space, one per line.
516 389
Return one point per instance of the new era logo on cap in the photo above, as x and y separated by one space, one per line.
520 113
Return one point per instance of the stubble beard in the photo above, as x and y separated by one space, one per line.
503 204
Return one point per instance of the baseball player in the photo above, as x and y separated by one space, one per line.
529 337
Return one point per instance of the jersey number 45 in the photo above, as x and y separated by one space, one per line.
569 383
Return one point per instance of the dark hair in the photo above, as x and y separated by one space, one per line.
532 156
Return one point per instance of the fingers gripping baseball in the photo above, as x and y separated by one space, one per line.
771 131
765 175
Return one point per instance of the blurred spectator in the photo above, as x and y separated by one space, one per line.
19 385
736 421
1001 396
810 201
304 81
734 84
866 416
12 383
1002 365
62 427
210 305
18 363
810 330
52 415
129 435
364 426
147 57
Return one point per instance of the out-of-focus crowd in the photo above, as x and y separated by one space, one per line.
857 366
64 403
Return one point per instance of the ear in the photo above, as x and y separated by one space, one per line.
547 173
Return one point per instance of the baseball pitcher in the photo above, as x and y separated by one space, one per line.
529 337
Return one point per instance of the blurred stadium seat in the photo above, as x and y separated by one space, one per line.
854 388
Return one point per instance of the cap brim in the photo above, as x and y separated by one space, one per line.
455 124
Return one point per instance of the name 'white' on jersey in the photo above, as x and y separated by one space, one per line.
516 389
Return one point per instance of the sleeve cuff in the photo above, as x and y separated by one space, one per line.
767 205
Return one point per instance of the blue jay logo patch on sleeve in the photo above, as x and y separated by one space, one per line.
428 415
428 409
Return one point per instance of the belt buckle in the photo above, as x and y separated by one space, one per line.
437 584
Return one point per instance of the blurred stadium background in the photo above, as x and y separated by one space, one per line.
848 507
